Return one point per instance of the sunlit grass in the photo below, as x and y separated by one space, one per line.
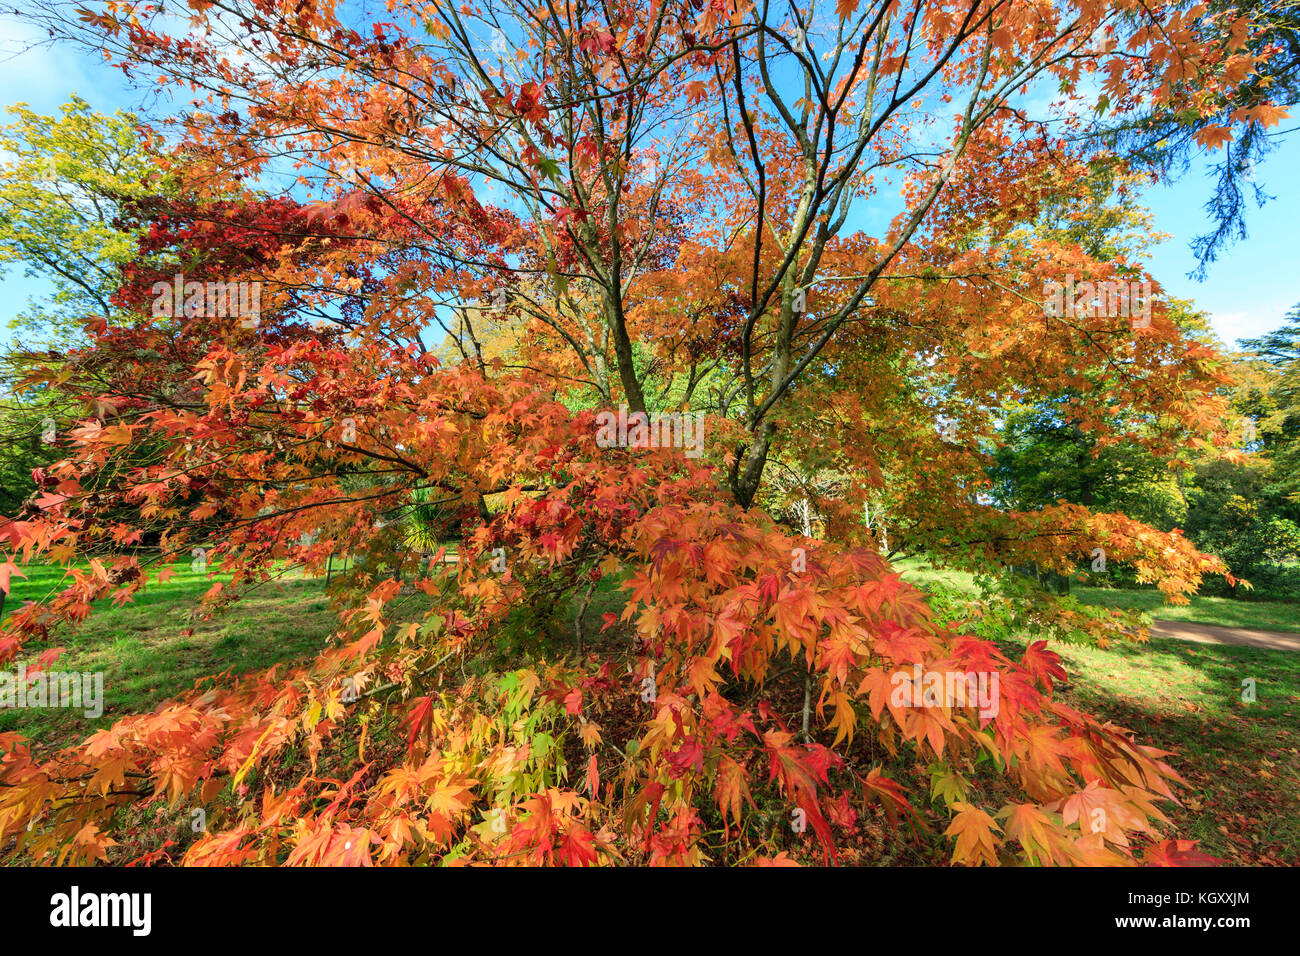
1202 609
153 648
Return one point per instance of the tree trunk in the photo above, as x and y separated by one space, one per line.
744 480
623 353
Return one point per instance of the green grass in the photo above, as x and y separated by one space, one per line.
43 581
152 648
918 572
1225 612
1241 760
1221 611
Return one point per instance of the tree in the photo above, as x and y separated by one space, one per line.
63 187
778 144
60 197
1046 460
316 421
1245 507
1269 400
1231 513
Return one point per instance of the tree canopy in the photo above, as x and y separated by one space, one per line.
404 273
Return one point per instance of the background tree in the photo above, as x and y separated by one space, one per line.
1270 399
1245 506
64 183
1046 459
1232 513
62 187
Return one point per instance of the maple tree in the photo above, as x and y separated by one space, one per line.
677 229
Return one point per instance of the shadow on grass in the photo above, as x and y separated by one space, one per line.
1241 759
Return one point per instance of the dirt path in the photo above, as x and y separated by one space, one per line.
1213 634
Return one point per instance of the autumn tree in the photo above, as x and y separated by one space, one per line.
684 183
781 125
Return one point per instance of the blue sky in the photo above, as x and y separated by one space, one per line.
1257 280
1247 291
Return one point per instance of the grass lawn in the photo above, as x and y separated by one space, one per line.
1225 612
151 649
1241 760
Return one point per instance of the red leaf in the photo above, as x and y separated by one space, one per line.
7 569
1042 663
419 717
1178 853
578 848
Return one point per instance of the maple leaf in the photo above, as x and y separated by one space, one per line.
112 772
1266 113
689 756
799 775
565 214
1178 853
50 502
781 859
1038 835
1213 136
48 657
948 785
1042 664
573 701
418 719
7 569
92 843
731 789
578 846
890 795
974 831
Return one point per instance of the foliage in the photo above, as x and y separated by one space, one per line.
1269 395
717 613
1229 513
62 186
1045 460
746 695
